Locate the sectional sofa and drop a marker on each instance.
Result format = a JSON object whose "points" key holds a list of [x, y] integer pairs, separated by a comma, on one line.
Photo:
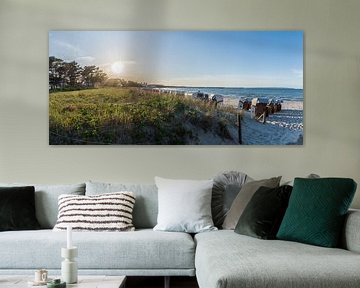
{"points": [[219, 259]]}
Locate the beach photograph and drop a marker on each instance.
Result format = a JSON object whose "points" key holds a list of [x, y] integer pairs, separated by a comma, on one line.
{"points": [[176, 88]]}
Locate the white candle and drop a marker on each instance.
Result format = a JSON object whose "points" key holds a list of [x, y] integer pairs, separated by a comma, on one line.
{"points": [[69, 239]]}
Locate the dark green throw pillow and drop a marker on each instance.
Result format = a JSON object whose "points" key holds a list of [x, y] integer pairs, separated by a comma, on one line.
{"points": [[17, 208], [316, 211], [263, 214]]}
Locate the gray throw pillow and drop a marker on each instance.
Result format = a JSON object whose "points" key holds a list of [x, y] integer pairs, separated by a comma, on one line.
{"points": [[184, 205], [226, 187], [243, 198], [310, 176]]}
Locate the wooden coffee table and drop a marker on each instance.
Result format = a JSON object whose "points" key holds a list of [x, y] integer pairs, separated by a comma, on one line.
{"points": [[84, 281]]}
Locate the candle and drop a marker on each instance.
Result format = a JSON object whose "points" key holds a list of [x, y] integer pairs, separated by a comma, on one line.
{"points": [[69, 239]]}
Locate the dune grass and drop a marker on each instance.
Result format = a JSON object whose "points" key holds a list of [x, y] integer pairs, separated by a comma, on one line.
{"points": [[131, 116]]}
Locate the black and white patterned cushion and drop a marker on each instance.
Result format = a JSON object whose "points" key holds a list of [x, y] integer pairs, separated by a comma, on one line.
{"points": [[105, 212]]}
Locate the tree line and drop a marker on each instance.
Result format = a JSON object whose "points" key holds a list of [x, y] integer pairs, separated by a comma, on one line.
{"points": [[71, 76]]}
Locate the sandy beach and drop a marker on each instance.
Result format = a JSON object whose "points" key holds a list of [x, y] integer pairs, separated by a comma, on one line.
{"points": [[281, 128]]}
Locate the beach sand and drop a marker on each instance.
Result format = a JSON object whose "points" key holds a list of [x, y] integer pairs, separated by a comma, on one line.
{"points": [[293, 105], [281, 128]]}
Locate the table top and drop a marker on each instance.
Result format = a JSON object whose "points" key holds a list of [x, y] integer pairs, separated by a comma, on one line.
{"points": [[84, 281]]}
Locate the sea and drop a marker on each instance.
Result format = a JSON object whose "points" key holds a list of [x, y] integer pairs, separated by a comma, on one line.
{"points": [[288, 94]]}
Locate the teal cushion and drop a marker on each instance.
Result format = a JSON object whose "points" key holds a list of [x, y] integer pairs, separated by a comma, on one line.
{"points": [[316, 211]]}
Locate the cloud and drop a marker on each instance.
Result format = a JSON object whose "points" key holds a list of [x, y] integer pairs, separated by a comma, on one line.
{"points": [[129, 62], [64, 50], [204, 80], [67, 48], [236, 80], [84, 60], [298, 72]]}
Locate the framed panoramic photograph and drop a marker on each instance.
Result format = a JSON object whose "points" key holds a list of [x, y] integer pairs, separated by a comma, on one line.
{"points": [[176, 88]]}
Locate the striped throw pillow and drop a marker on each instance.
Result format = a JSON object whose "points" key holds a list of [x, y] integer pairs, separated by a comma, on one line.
{"points": [[105, 212]]}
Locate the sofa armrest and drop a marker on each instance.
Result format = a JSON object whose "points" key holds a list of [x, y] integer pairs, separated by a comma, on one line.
{"points": [[351, 233]]}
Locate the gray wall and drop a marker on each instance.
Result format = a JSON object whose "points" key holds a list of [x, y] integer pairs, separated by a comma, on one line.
{"points": [[331, 89]]}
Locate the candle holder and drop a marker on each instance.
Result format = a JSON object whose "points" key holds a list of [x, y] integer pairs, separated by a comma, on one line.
{"points": [[68, 265]]}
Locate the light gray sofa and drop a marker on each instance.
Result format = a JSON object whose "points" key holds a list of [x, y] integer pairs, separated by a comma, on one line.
{"points": [[142, 252], [226, 259], [219, 259]]}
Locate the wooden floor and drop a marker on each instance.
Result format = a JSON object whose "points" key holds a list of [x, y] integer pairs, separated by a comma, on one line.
{"points": [[158, 282]]}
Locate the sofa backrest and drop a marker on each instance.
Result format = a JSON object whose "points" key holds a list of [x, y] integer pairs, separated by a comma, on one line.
{"points": [[146, 203], [351, 237], [46, 200]]}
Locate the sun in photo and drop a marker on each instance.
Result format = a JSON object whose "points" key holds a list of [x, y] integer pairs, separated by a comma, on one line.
{"points": [[118, 67]]}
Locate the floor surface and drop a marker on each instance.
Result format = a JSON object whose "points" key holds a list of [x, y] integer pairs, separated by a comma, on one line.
{"points": [[158, 282]]}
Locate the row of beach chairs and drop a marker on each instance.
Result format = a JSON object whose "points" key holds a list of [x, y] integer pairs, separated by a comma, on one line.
{"points": [[260, 106]]}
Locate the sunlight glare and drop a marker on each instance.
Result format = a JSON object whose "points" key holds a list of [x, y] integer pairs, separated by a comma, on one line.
{"points": [[117, 67]]}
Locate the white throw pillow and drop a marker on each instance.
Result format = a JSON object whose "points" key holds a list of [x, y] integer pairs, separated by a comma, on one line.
{"points": [[105, 212], [184, 205]]}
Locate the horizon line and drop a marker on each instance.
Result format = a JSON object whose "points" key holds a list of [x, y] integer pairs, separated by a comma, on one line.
{"points": [[223, 87]]}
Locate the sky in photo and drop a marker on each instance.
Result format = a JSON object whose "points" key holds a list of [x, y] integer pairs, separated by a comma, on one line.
{"points": [[188, 58]]}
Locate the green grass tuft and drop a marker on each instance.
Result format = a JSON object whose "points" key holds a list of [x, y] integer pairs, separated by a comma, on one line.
{"points": [[132, 116]]}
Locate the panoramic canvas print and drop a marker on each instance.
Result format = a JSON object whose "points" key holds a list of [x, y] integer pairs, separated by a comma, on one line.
{"points": [[176, 88]]}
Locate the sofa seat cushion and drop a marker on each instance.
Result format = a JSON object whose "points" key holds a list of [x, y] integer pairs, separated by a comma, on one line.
{"points": [[142, 249], [226, 259]]}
